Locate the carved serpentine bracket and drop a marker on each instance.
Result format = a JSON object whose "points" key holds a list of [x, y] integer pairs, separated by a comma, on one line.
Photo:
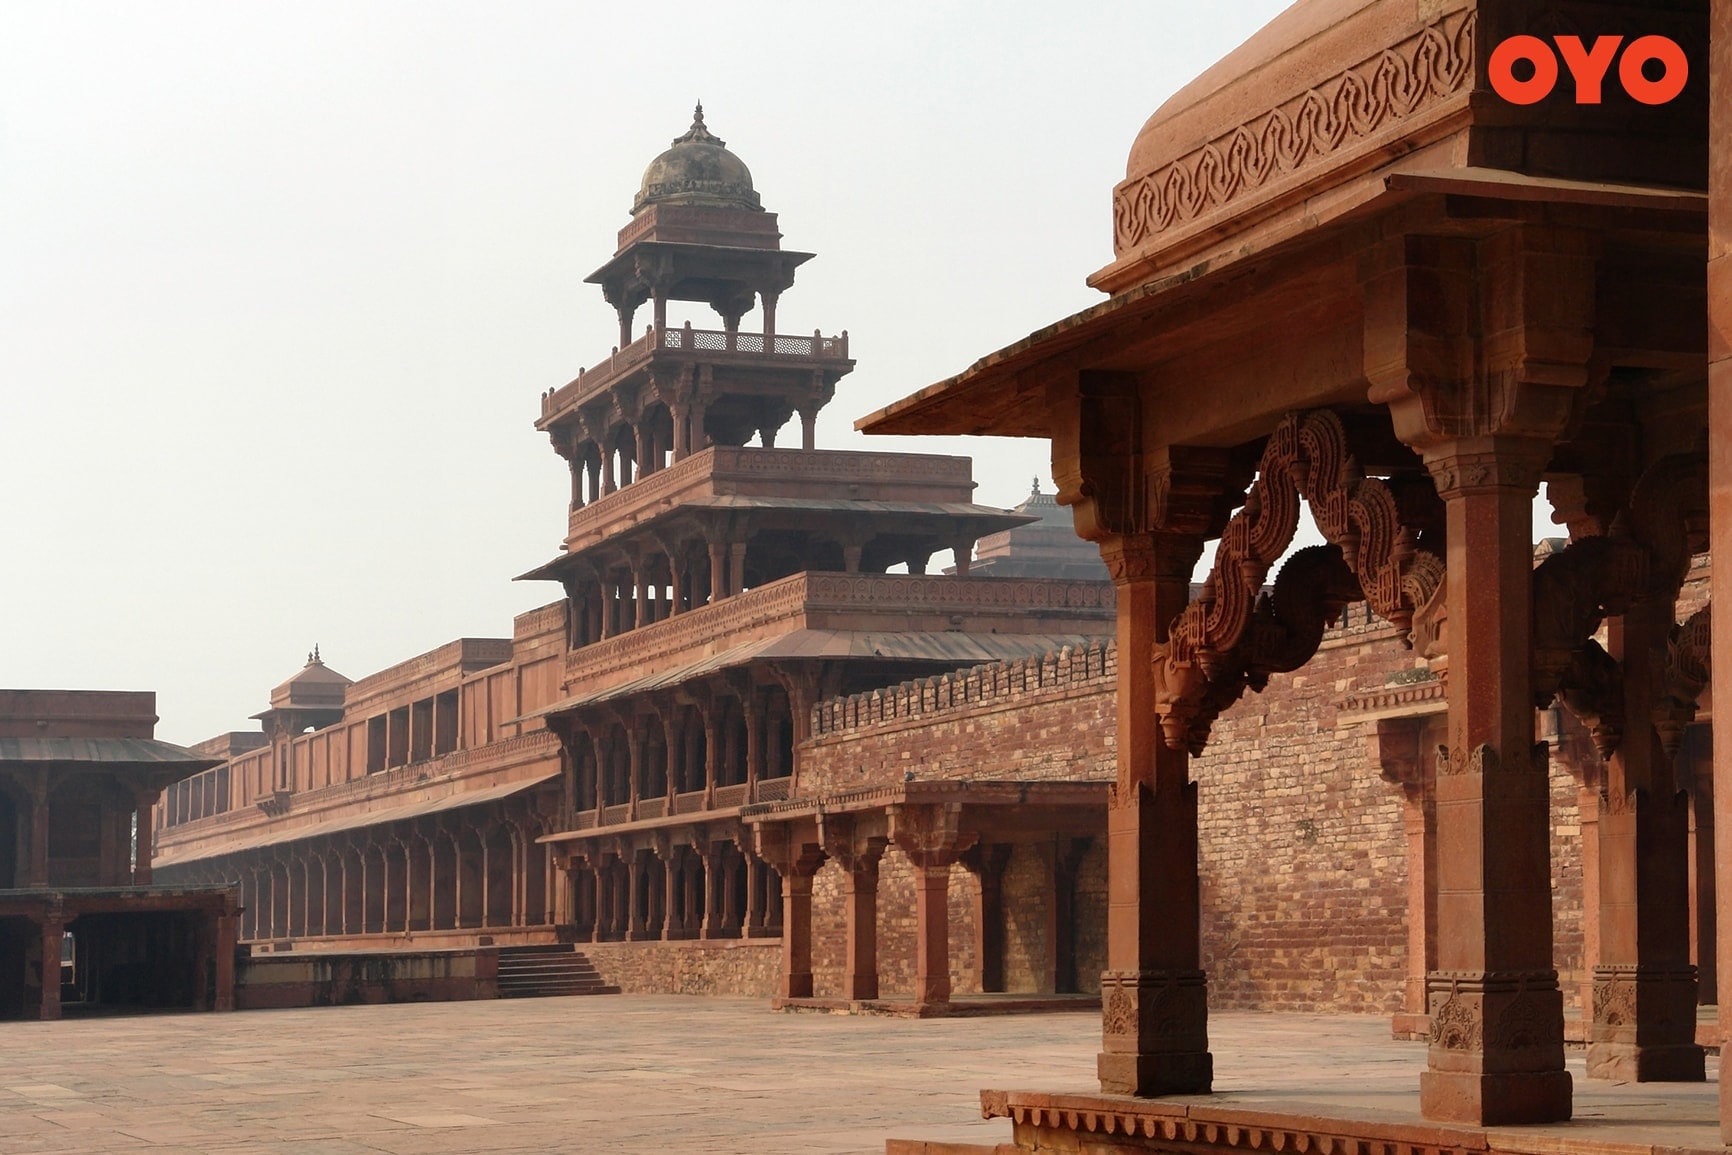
{"points": [[1645, 557], [1235, 635], [1686, 673]]}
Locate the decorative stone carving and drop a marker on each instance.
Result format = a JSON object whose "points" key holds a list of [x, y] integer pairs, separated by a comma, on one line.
{"points": [[1688, 667], [1644, 557], [1167, 1005], [1236, 634], [1325, 119]]}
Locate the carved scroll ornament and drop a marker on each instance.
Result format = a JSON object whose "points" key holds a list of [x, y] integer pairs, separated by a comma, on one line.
{"points": [[1644, 558], [1333, 117], [1235, 634]]}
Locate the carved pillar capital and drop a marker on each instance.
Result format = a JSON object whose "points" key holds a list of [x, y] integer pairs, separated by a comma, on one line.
{"points": [[1395, 745], [931, 835], [1483, 464]]}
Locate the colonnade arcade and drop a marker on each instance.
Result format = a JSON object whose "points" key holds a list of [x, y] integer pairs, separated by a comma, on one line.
{"points": [[709, 745], [698, 558], [936, 826], [700, 881], [465, 869], [611, 442]]}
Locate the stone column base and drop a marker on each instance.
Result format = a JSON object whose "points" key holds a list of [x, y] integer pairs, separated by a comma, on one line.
{"points": [[1187, 1073], [1647, 1063], [1155, 1033], [1491, 1100], [1644, 1025]]}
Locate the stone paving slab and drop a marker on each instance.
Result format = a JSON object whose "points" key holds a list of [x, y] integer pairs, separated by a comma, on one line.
{"points": [[632, 1074]]}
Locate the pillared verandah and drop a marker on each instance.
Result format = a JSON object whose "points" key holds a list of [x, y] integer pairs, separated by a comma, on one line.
{"points": [[1350, 278]]}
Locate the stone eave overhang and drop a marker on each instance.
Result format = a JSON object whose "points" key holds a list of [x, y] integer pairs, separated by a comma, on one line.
{"points": [[889, 520], [721, 816], [1005, 393], [968, 792], [625, 265], [478, 770]]}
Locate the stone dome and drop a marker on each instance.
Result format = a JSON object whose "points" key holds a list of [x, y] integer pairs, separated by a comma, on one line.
{"points": [[698, 170]]}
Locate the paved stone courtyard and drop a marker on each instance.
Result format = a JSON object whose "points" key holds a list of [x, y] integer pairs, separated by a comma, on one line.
{"points": [[632, 1074]]}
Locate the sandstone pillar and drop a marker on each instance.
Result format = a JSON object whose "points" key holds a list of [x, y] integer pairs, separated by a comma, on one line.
{"points": [[1154, 1003], [1496, 1053], [795, 861], [1702, 888], [227, 936], [736, 567], [147, 800], [53, 933], [718, 571], [988, 863], [1399, 752], [635, 920], [1644, 1009], [1590, 774], [1720, 472], [858, 852], [673, 925], [598, 882], [37, 874], [933, 840], [712, 860]]}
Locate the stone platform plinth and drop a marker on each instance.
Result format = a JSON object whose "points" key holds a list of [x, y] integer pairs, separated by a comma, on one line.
{"points": [[1612, 1119], [964, 1006]]}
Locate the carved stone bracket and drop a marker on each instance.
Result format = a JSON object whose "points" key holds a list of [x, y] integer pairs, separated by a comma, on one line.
{"points": [[931, 836], [1644, 558], [1235, 634], [1689, 665]]}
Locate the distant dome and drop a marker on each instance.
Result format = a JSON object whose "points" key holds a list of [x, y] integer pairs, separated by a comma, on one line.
{"points": [[698, 170]]}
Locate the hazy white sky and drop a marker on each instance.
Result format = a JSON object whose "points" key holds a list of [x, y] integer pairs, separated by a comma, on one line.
{"points": [[280, 285]]}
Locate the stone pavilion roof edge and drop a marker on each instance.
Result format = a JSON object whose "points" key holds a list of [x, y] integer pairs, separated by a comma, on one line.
{"points": [[279, 832], [109, 753], [944, 406], [599, 276]]}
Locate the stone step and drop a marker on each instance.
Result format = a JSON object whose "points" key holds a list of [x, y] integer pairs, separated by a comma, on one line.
{"points": [[546, 971]]}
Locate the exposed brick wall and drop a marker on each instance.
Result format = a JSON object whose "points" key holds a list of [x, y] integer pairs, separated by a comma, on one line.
{"points": [[1040, 719], [748, 968], [1303, 851]]}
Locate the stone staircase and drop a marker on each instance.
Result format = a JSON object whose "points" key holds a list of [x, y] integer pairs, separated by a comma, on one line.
{"points": [[536, 972]]}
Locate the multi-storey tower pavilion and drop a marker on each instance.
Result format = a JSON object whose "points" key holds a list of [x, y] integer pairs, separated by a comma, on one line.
{"points": [[717, 585]]}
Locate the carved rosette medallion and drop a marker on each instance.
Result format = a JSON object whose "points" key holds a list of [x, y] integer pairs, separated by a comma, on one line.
{"points": [[1455, 1025], [1508, 1013]]}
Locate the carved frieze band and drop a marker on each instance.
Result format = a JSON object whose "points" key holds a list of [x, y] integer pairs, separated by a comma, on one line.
{"points": [[1166, 1009], [1167, 1122], [1320, 122], [1234, 635], [1503, 1012]]}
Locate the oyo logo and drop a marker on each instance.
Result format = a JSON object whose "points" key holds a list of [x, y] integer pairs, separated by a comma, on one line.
{"points": [[1588, 67]]}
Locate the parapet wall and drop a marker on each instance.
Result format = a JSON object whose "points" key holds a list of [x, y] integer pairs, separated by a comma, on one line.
{"points": [[1038, 719]]}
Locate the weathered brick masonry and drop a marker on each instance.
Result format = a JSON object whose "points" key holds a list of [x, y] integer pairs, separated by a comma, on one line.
{"points": [[1304, 857]]}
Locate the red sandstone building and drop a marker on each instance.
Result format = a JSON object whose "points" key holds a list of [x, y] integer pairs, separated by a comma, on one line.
{"points": [[79, 774], [1409, 303], [627, 768]]}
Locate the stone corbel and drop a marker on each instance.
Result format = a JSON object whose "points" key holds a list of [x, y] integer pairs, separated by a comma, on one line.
{"points": [[931, 835], [852, 842]]}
